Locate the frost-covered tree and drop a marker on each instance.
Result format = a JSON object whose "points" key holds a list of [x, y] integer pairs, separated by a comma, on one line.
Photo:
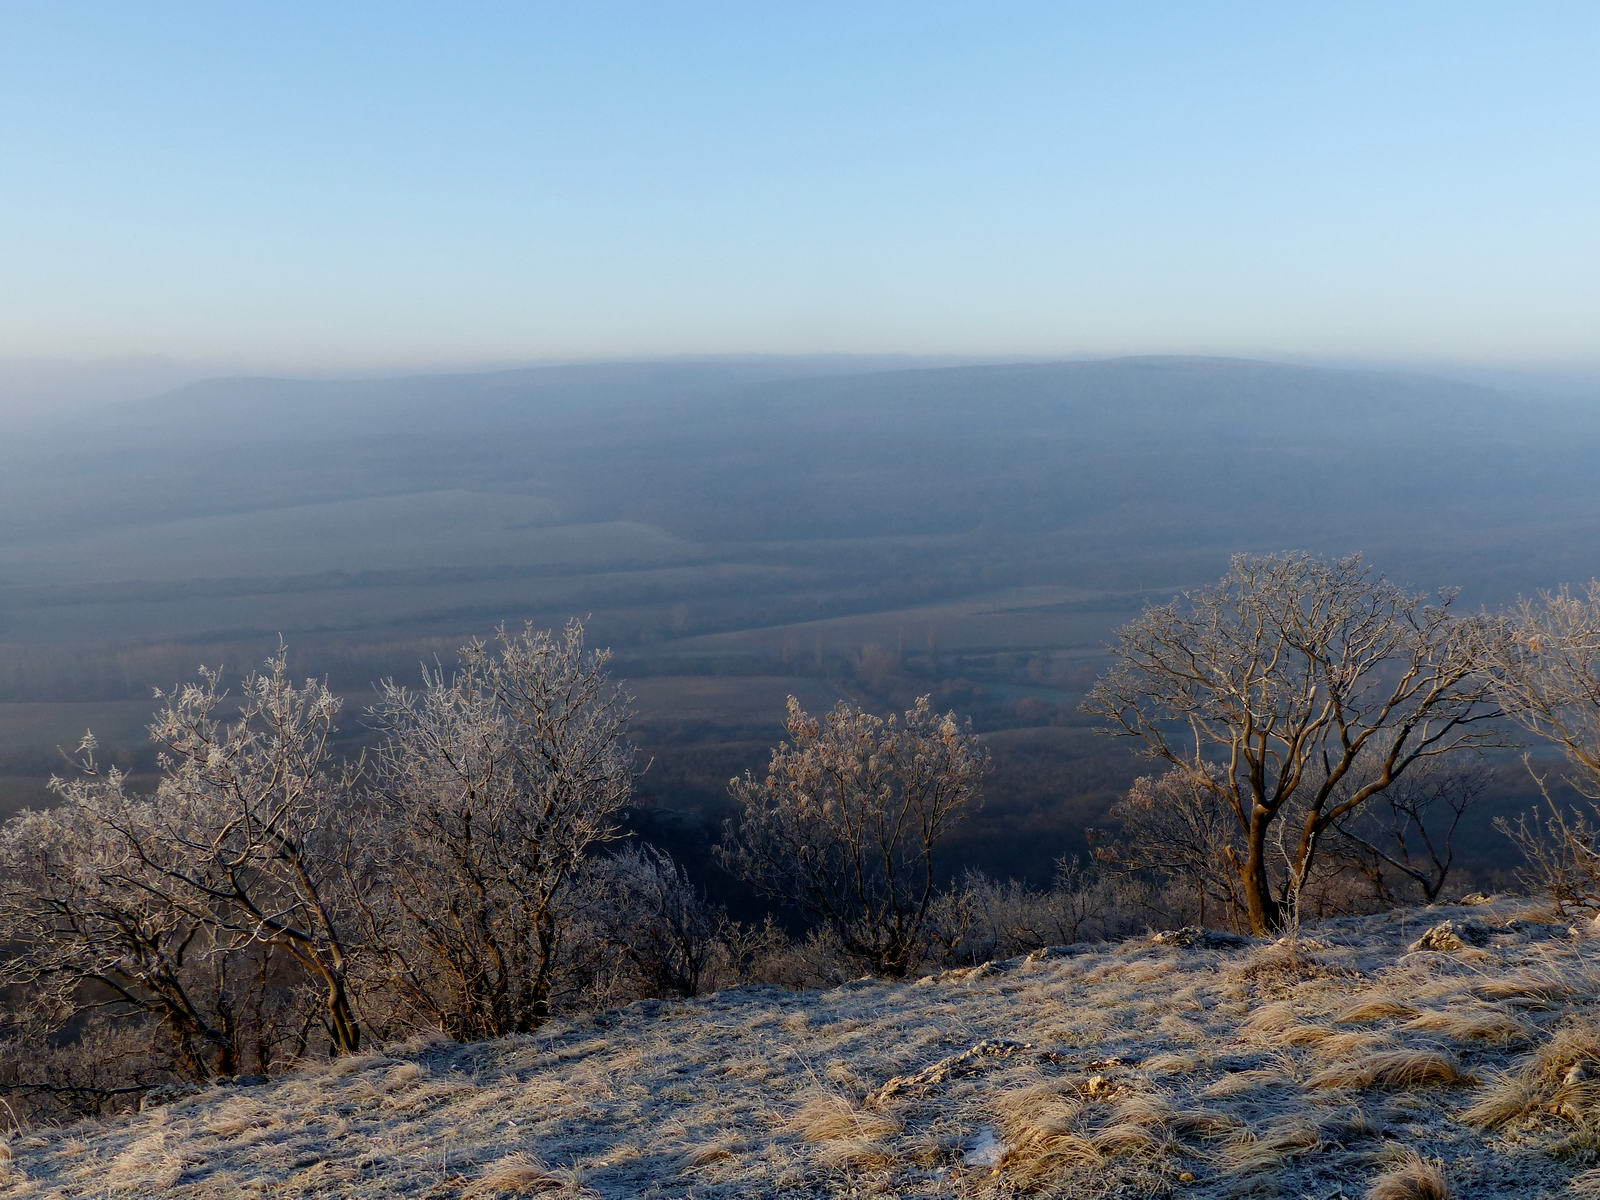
{"points": [[493, 783], [649, 912], [245, 827], [847, 821], [83, 930], [1170, 826], [249, 826], [1294, 691], [1546, 670], [211, 905]]}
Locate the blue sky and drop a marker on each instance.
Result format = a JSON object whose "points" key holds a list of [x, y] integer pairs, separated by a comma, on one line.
{"points": [[376, 184]]}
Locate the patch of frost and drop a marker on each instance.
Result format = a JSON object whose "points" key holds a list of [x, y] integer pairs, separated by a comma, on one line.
{"points": [[985, 1151]]}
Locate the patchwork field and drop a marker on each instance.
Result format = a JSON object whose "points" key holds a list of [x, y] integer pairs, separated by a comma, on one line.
{"points": [[439, 530]]}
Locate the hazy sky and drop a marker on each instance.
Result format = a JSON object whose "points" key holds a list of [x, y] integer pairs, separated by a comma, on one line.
{"points": [[360, 184]]}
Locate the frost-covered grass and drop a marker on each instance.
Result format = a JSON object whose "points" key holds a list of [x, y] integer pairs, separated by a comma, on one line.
{"points": [[1343, 1065]]}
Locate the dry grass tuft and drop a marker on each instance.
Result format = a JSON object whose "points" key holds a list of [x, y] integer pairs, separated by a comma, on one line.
{"points": [[231, 1125], [696, 1157], [1171, 1064], [1284, 964], [930, 1150], [1271, 1018], [1506, 1096], [1352, 1043], [1274, 1146], [1562, 1076], [1022, 1105], [1127, 1138], [1394, 1070], [856, 1152], [1149, 1109], [830, 1117], [1412, 1178], [1574, 1044], [1375, 1008], [1238, 1082], [1043, 1135], [518, 1174], [1207, 1125], [1482, 1023], [1527, 990], [1279, 1024], [402, 1076], [1044, 1158], [1037, 1128]]}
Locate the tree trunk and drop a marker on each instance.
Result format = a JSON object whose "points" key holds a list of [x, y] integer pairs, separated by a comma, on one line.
{"points": [[1261, 906]]}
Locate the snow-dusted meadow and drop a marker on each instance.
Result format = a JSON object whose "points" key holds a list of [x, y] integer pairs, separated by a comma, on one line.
{"points": [[1343, 1063]]}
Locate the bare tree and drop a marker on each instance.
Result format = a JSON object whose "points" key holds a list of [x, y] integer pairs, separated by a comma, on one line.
{"points": [[982, 919], [1546, 670], [248, 826], [1171, 826], [1297, 687], [654, 916], [245, 832], [1408, 831], [496, 780], [84, 934], [848, 818], [209, 906]]}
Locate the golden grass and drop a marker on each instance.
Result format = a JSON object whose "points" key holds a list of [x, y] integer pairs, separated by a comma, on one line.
{"points": [[1149, 1109], [1205, 1124], [1572, 1044], [1525, 989], [856, 1152], [1043, 1133], [1412, 1178], [402, 1076], [1394, 1070], [1171, 1064], [1561, 1076], [1478, 1023], [1237, 1082], [1127, 1138], [1352, 1043], [1022, 1105], [1271, 1019], [1044, 1159], [830, 1117], [696, 1157], [1272, 1147], [1375, 1008], [1267, 1086], [517, 1174], [1506, 1095]]}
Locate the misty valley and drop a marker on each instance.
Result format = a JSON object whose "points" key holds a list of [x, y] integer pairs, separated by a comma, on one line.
{"points": [[739, 531]]}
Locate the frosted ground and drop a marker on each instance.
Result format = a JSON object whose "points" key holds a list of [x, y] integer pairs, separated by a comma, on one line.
{"points": [[1344, 1065]]}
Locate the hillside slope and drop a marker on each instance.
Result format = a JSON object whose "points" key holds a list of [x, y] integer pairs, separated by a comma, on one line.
{"points": [[1158, 1066]]}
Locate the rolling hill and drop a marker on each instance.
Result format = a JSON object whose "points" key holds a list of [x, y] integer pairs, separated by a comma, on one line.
{"points": [[739, 528]]}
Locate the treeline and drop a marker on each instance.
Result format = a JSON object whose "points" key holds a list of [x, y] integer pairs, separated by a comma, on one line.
{"points": [[1317, 732]]}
